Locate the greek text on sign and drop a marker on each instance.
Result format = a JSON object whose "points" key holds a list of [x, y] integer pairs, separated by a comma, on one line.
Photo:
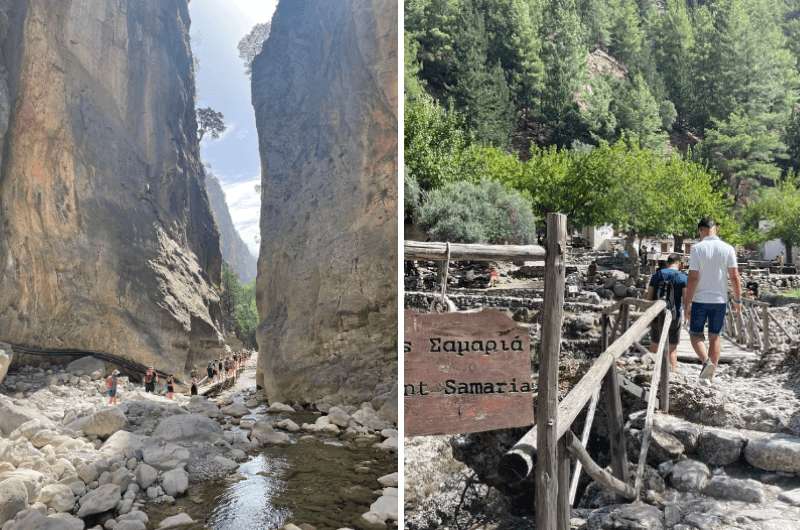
{"points": [[466, 372]]}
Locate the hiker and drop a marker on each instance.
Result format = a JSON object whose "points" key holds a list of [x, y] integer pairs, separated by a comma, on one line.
{"points": [[170, 386], [193, 390], [668, 284], [493, 276], [111, 387], [221, 369], [712, 263], [150, 380], [210, 371]]}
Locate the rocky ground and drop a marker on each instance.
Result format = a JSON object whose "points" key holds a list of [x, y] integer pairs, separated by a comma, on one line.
{"points": [[70, 461], [728, 455]]}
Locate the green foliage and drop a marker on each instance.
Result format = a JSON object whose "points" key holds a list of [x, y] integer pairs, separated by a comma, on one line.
{"points": [[639, 114], [434, 141], [482, 212], [412, 198], [780, 206], [238, 303]]}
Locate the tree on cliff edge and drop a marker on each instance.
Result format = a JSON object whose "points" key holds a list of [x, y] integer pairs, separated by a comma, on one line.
{"points": [[210, 121]]}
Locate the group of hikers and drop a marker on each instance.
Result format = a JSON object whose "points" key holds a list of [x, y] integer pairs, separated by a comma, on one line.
{"points": [[702, 294], [218, 370]]}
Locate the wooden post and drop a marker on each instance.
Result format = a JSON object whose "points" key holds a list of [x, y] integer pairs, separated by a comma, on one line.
{"points": [[546, 475], [587, 429], [564, 504], [664, 381], [765, 328], [616, 432]]}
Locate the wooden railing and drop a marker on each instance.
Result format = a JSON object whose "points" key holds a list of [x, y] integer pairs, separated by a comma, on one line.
{"points": [[618, 336], [754, 327]]}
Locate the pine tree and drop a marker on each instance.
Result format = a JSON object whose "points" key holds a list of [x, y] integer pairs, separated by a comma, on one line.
{"points": [[564, 56], [596, 18], [674, 45], [627, 36], [638, 114], [481, 92]]}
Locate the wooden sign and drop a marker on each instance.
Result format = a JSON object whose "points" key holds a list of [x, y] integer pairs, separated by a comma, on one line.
{"points": [[466, 372]]}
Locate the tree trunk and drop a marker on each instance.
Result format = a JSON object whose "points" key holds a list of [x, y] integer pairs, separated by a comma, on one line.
{"points": [[678, 246], [789, 258], [633, 258]]}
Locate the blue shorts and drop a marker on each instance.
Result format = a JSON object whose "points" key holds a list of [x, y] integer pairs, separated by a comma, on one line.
{"points": [[714, 314]]}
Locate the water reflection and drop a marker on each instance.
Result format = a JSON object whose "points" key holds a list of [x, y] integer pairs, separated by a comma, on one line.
{"points": [[249, 503]]}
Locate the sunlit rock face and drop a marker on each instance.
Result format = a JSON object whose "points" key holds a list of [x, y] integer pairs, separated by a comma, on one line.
{"points": [[325, 96], [107, 241]]}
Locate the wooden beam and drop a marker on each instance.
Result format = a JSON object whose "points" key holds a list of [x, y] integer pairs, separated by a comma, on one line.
{"points": [[598, 474], [587, 429], [517, 463], [651, 403], [563, 502], [547, 468], [765, 340], [616, 424], [434, 251]]}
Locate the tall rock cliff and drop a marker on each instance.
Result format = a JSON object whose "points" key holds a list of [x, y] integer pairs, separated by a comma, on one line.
{"points": [[234, 249], [325, 95], [107, 241]]}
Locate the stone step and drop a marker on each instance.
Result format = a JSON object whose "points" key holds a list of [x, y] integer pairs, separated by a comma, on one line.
{"points": [[717, 446]]}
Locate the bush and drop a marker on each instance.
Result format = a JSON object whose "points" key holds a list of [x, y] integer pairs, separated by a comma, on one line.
{"points": [[412, 197], [483, 212]]}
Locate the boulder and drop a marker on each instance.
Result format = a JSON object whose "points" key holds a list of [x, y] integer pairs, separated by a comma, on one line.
{"points": [[776, 452], [6, 356], [175, 482], [287, 425], [123, 443], [86, 365], [338, 417], [626, 516], [59, 497], [237, 410], [130, 524], [367, 417], [689, 475], [12, 415], [99, 500], [146, 475], [176, 521], [264, 434], [102, 423], [389, 480], [280, 407], [165, 456], [13, 498], [733, 489], [386, 505], [36, 520], [32, 480], [187, 427], [201, 405], [719, 447]]}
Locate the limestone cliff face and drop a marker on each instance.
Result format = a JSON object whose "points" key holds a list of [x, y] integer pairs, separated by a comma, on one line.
{"points": [[325, 96], [234, 249], [107, 241]]}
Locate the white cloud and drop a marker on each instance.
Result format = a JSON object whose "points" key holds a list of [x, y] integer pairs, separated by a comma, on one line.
{"points": [[244, 203]]}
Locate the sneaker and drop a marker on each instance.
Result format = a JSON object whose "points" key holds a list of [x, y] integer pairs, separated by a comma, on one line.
{"points": [[708, 370]]}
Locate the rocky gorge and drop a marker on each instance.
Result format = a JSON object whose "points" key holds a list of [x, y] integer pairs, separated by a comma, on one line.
{"points": [[70, 461]]}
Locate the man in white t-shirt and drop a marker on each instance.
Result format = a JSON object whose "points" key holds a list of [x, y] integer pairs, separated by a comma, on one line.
{"points": [[712, 263]]}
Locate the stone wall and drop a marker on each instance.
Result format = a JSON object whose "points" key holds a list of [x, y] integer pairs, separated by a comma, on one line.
{"points": [[107, 240], [325, 97]]}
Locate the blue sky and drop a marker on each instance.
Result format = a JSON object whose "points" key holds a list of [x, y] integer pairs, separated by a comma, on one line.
{"points": [[217, 27]]}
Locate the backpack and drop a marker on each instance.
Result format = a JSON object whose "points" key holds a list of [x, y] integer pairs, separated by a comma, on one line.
{"points": [[666, 291]]}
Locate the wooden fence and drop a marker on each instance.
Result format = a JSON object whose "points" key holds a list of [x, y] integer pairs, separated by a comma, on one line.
{"points": [[754, 327]]}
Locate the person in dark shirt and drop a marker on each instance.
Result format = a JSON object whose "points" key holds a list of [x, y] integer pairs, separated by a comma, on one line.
{"points": [[668, 284]]}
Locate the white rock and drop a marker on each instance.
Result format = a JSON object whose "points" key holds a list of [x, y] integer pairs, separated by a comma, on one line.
{"points": [[58, 497], [226, 463], [146, 475], [6, 356], [102, 423], [130, 524], [187, 427], [85, 366], [264, 434], [389, 480], [123, 443], [287, 425], [164, 457], [175, 482], [367, 417], [100, 500], [201, 405], [32, 479], [13, 498], [386, 505], [176, 521], [373, 520], [236, 409], [280, 407], [12, 415], [338, 416], [36, 520]]}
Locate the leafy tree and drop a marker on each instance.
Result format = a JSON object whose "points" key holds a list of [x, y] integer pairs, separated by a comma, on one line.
{"points": [[412, 198], [434, 24], [210, 121], [481, 93], [564, 57], [434, 140], [482, 212], [238, 303], [412, 85], [780, 207], [251, 44]]}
